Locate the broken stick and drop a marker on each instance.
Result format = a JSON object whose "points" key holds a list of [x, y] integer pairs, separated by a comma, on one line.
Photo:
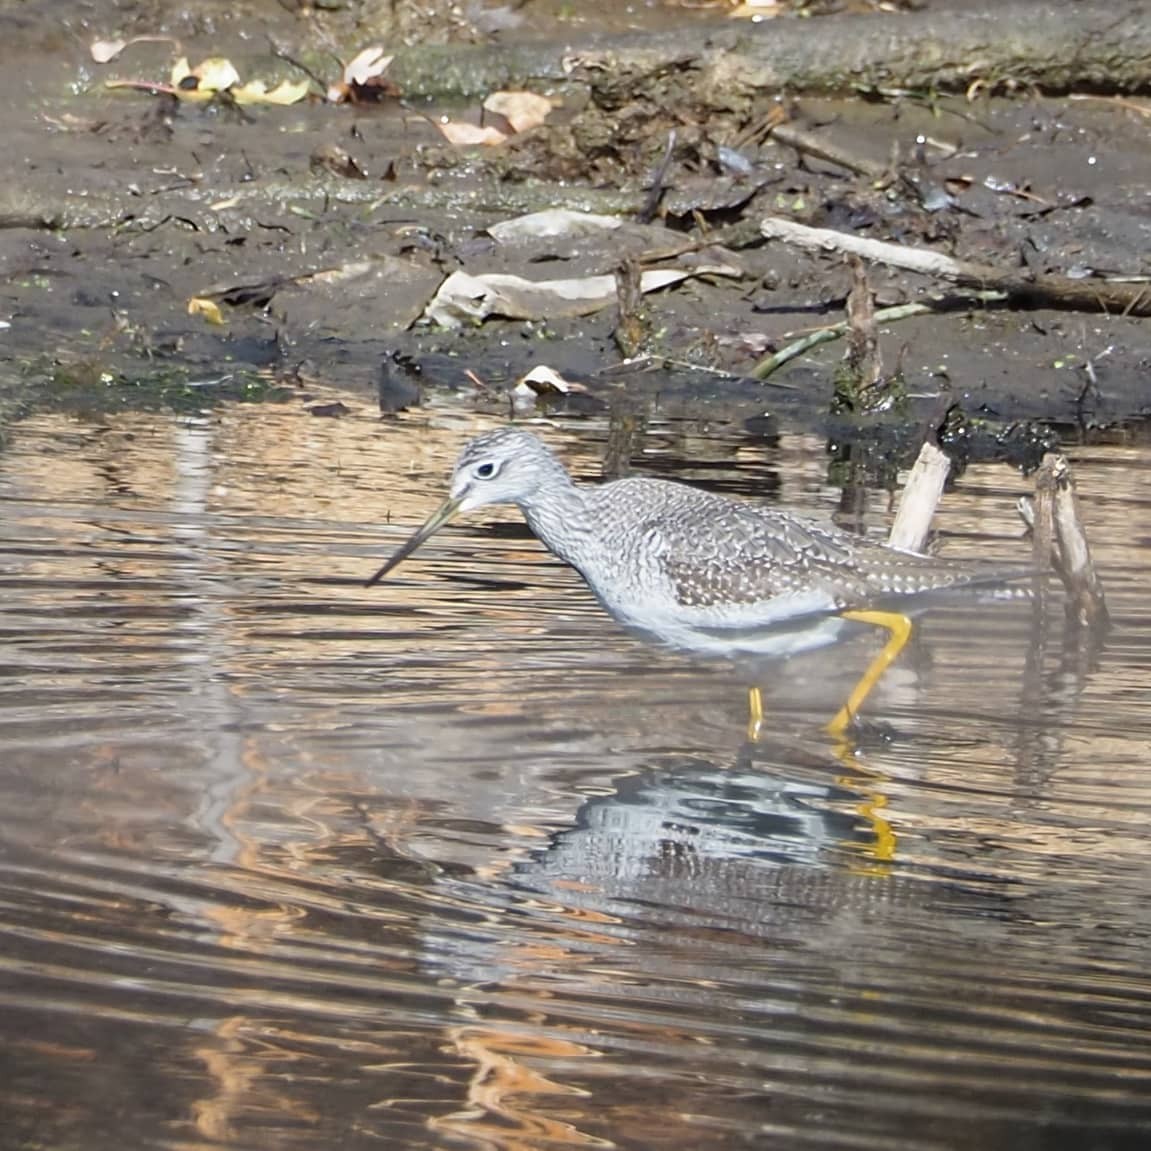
{"points": [[1060, 541], [919, 499], [1023, 289]]}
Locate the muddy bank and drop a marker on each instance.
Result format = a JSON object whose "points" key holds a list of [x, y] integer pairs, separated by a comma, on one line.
{"points": [[319, 233]]}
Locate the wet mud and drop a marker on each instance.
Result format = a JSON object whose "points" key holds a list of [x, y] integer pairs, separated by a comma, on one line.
{"points": [[319, 233]]}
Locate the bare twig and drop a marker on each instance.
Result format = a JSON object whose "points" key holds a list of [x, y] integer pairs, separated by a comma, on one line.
{"points": [[647, 361], [821, 149], [864, 359], [658, 182], [810, 340], [1022, 288]]}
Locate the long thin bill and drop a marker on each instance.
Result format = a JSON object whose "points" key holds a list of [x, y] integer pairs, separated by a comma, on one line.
{"points": [[446, 512]]}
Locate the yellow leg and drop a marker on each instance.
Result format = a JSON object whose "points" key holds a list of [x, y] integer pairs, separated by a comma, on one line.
{"points": [[755, 713], [899, 632]]}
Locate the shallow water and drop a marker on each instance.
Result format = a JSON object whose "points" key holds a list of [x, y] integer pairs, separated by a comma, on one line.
{"points": [[454, 862]]}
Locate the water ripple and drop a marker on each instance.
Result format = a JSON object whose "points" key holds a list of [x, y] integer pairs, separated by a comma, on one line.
{"points": [[455, 863]]}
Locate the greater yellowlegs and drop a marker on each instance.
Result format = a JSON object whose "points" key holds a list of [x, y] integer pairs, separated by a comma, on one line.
{"points": [[694, 569]]}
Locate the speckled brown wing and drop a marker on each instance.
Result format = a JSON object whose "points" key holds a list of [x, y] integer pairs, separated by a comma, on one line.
{"points": [[734, 554]]}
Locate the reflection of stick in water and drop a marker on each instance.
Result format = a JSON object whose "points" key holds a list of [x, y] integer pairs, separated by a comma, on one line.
{"points": [[507, 1097]]}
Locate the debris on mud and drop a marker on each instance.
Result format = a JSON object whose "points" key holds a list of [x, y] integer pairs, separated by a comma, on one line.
{"points": [[351, 214]]}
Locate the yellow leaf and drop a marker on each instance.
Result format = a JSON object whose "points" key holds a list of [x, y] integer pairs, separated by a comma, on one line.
{"points": [[253, 92], [187, 83], [256, 92], [209, 309], [217, 74], [181, 70], [287, 92]]}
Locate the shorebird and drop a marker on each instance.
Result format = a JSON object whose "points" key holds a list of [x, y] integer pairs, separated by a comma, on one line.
{"points": [[697, 570]]}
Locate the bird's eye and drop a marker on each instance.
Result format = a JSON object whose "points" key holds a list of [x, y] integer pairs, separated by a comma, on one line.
{"points": [[485, 471]]}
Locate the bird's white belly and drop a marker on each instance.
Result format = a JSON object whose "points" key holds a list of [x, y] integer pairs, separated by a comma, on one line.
{"points": [[776, 628]]}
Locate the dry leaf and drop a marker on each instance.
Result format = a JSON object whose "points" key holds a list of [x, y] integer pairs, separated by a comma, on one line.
{"points": [[285, 93], [522, 110], [464, 134], [253, 92], [104, 51], [363, 78], [353, 270], [367, 65], [332, 158], [209, 309], [551, 222], [216, 74], [465, 298], [757, 10], [542, 380]]}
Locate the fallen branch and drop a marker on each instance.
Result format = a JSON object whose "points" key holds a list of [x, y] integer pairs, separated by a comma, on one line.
{"points": [[114, 207], [1098, 45], [1022, 289]]}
